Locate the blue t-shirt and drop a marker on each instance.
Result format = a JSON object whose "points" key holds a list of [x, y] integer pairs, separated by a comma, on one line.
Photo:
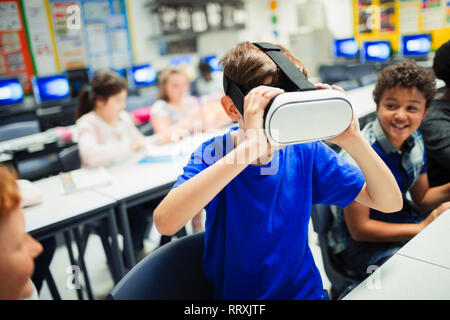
{"points": [[256, 237]]}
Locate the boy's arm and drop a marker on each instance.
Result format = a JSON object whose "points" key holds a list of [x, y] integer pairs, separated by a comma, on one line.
{"points": [[185, 201], [380, 191], [426, 197], [362, 228]]}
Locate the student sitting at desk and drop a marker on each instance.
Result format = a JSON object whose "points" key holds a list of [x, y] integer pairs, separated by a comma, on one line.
{"points": [[435, 128], [258, 197], [107, 135], [175, 114], [17, 248], [360, 236]]}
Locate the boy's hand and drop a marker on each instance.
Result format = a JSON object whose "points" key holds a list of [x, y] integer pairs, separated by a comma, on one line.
{"points": [[255, 102], [347, 137], [435, 213]]}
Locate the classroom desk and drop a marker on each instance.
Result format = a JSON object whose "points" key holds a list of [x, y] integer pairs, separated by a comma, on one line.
{"points": [[134, 183], [62, 213], [419, 270], [432, 244]]}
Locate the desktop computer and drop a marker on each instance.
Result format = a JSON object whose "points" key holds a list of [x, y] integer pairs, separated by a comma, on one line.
{"points": [[54, 106]]}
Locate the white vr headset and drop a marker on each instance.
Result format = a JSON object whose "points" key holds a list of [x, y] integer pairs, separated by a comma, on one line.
{"points": [[302, 113]]}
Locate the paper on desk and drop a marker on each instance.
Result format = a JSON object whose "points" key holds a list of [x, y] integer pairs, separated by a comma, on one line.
{"points": [[83, 179]]}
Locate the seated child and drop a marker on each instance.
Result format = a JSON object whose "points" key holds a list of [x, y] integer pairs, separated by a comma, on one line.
{"points": [[361, 236], [258, 197], [17, 248]]}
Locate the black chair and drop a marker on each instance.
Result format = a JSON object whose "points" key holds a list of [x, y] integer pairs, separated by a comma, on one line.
{"points": [[341, 282], [356, 72], [30, 168], [69, 158], [172, 272], [364, 120]]}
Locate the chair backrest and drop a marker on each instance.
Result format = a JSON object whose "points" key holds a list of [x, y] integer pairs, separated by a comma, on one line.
{"points": [[69, 158], [321, 217], [172, 272], [18, 129]]}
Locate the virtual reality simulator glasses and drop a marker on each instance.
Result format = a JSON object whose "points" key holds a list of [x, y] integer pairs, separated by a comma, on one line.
{"points": [[303, 113]]}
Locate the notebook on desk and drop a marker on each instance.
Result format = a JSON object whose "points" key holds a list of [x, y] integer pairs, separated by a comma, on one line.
{"points": [[83, 179]]}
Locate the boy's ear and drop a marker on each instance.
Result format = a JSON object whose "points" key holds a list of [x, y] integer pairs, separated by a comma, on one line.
{"points": [[229, 108]]}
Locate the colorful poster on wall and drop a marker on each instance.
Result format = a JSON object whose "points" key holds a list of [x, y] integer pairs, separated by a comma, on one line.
{"points": [[69, 33], [409, 16], [36, 20], [15, 59], [106, 30], [447, 13], [432, 14], [387, 19]]}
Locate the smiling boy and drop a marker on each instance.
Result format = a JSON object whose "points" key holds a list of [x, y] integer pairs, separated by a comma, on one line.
{"points": [[361, 237]]}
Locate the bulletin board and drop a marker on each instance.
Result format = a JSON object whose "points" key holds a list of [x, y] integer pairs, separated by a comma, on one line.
{"points": [[15, 58], [107, 35], [390, 19], [69, 33], [41, 37]]}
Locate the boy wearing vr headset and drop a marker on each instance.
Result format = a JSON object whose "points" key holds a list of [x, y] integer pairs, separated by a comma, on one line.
{"points": [[360, 236], [256, 244]]}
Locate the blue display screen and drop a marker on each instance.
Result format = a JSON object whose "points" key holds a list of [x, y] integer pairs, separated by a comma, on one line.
{"points": [[11, 92], [213, 62], [142, 75], [375, 51], [416, 45], [180, 60], [345, 48], [51, 88]]}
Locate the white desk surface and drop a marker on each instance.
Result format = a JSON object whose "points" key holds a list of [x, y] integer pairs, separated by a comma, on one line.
{"points": [[131, 177], [57, 207], [432, 244], [404, 278]]}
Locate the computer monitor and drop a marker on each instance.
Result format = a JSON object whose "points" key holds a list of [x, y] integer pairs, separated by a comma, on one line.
{"points": [[180, 60], [345, 48], [50, 88], [141, 76], [11, 92], [375, 51], [415, 45], [77, 78], [213, 62]]}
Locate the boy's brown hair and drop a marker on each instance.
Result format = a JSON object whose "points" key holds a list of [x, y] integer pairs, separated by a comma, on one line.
{"points": [[249, 67], [9, 192], [406, 74]]}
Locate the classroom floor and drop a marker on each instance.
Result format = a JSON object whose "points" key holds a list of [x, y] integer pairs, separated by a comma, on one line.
{"points": [[100, 277]]}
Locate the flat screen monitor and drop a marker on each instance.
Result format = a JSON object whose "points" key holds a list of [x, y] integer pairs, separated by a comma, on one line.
{"points": [[11, 91], [415, 45], [213, 62], [345, 48], [375, 51], [78, 78], [50, 88], [141, 76], [180, 60]]}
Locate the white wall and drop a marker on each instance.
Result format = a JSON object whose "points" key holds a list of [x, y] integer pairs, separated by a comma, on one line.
{"points": [[337, 22]]}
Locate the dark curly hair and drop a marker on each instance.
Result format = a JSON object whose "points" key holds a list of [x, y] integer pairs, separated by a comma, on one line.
{"points": [[406, 74], [441, 63]]}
